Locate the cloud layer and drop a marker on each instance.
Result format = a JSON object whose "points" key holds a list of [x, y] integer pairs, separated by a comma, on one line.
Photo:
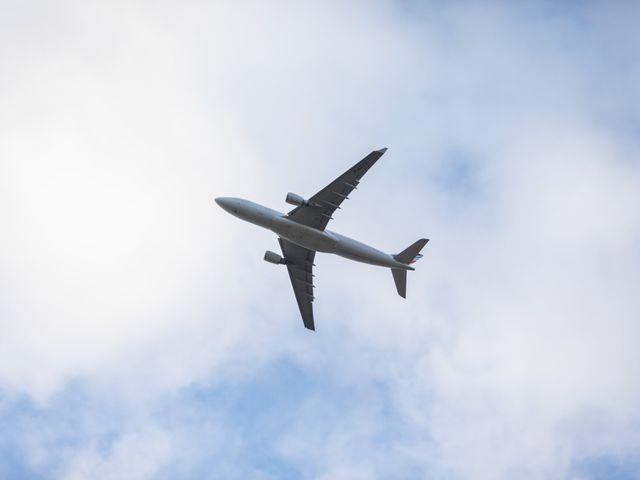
{"points": [[142, 335]]}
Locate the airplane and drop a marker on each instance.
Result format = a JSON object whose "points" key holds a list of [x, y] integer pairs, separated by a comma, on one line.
{"points": [[302, 233]]}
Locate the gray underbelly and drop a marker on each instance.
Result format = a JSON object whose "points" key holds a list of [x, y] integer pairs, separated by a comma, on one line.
{"points": [[304, 236], [360, 252]]}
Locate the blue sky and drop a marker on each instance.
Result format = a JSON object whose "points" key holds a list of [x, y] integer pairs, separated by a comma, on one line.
{"points": [[144, 337]]}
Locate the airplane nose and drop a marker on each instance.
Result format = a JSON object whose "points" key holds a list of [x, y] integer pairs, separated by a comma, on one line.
{"points": [[227, 204], [223, 202]]}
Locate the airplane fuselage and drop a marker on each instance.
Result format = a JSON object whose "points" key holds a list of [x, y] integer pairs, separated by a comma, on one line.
{"points": [[311, 238]]}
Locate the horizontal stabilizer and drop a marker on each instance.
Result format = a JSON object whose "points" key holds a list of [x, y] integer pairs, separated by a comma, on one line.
{"points": [[412, 254], [400, 277]]}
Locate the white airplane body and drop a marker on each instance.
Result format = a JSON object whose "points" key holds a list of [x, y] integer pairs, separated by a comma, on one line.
{"points": [[302, 233]]}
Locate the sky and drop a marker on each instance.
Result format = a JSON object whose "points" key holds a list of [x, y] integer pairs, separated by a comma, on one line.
{"points": [[143, 337]]}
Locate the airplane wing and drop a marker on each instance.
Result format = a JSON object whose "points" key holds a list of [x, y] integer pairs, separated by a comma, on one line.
{"points": [[322, 205], [300, 266]]}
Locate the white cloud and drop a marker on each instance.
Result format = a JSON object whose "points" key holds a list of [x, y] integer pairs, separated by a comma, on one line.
{"points": [[140, 455], [515, 353]]}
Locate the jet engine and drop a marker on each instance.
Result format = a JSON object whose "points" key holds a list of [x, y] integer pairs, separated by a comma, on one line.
{"points": [[295, 199], [274, 258]]}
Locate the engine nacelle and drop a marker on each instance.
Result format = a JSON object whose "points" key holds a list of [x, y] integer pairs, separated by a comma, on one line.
{"points": [[295, 199], [274, 258]]}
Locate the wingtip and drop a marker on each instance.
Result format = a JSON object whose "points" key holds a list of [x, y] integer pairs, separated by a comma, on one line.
{"points": [[382, 150]]}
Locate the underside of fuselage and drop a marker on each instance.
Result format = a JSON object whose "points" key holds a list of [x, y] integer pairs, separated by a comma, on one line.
{"points": [[311, 238], [331, 242], [307, 237]]}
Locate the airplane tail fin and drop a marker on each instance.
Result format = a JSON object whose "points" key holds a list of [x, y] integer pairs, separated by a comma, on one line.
{"points": [[409, 255]]}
